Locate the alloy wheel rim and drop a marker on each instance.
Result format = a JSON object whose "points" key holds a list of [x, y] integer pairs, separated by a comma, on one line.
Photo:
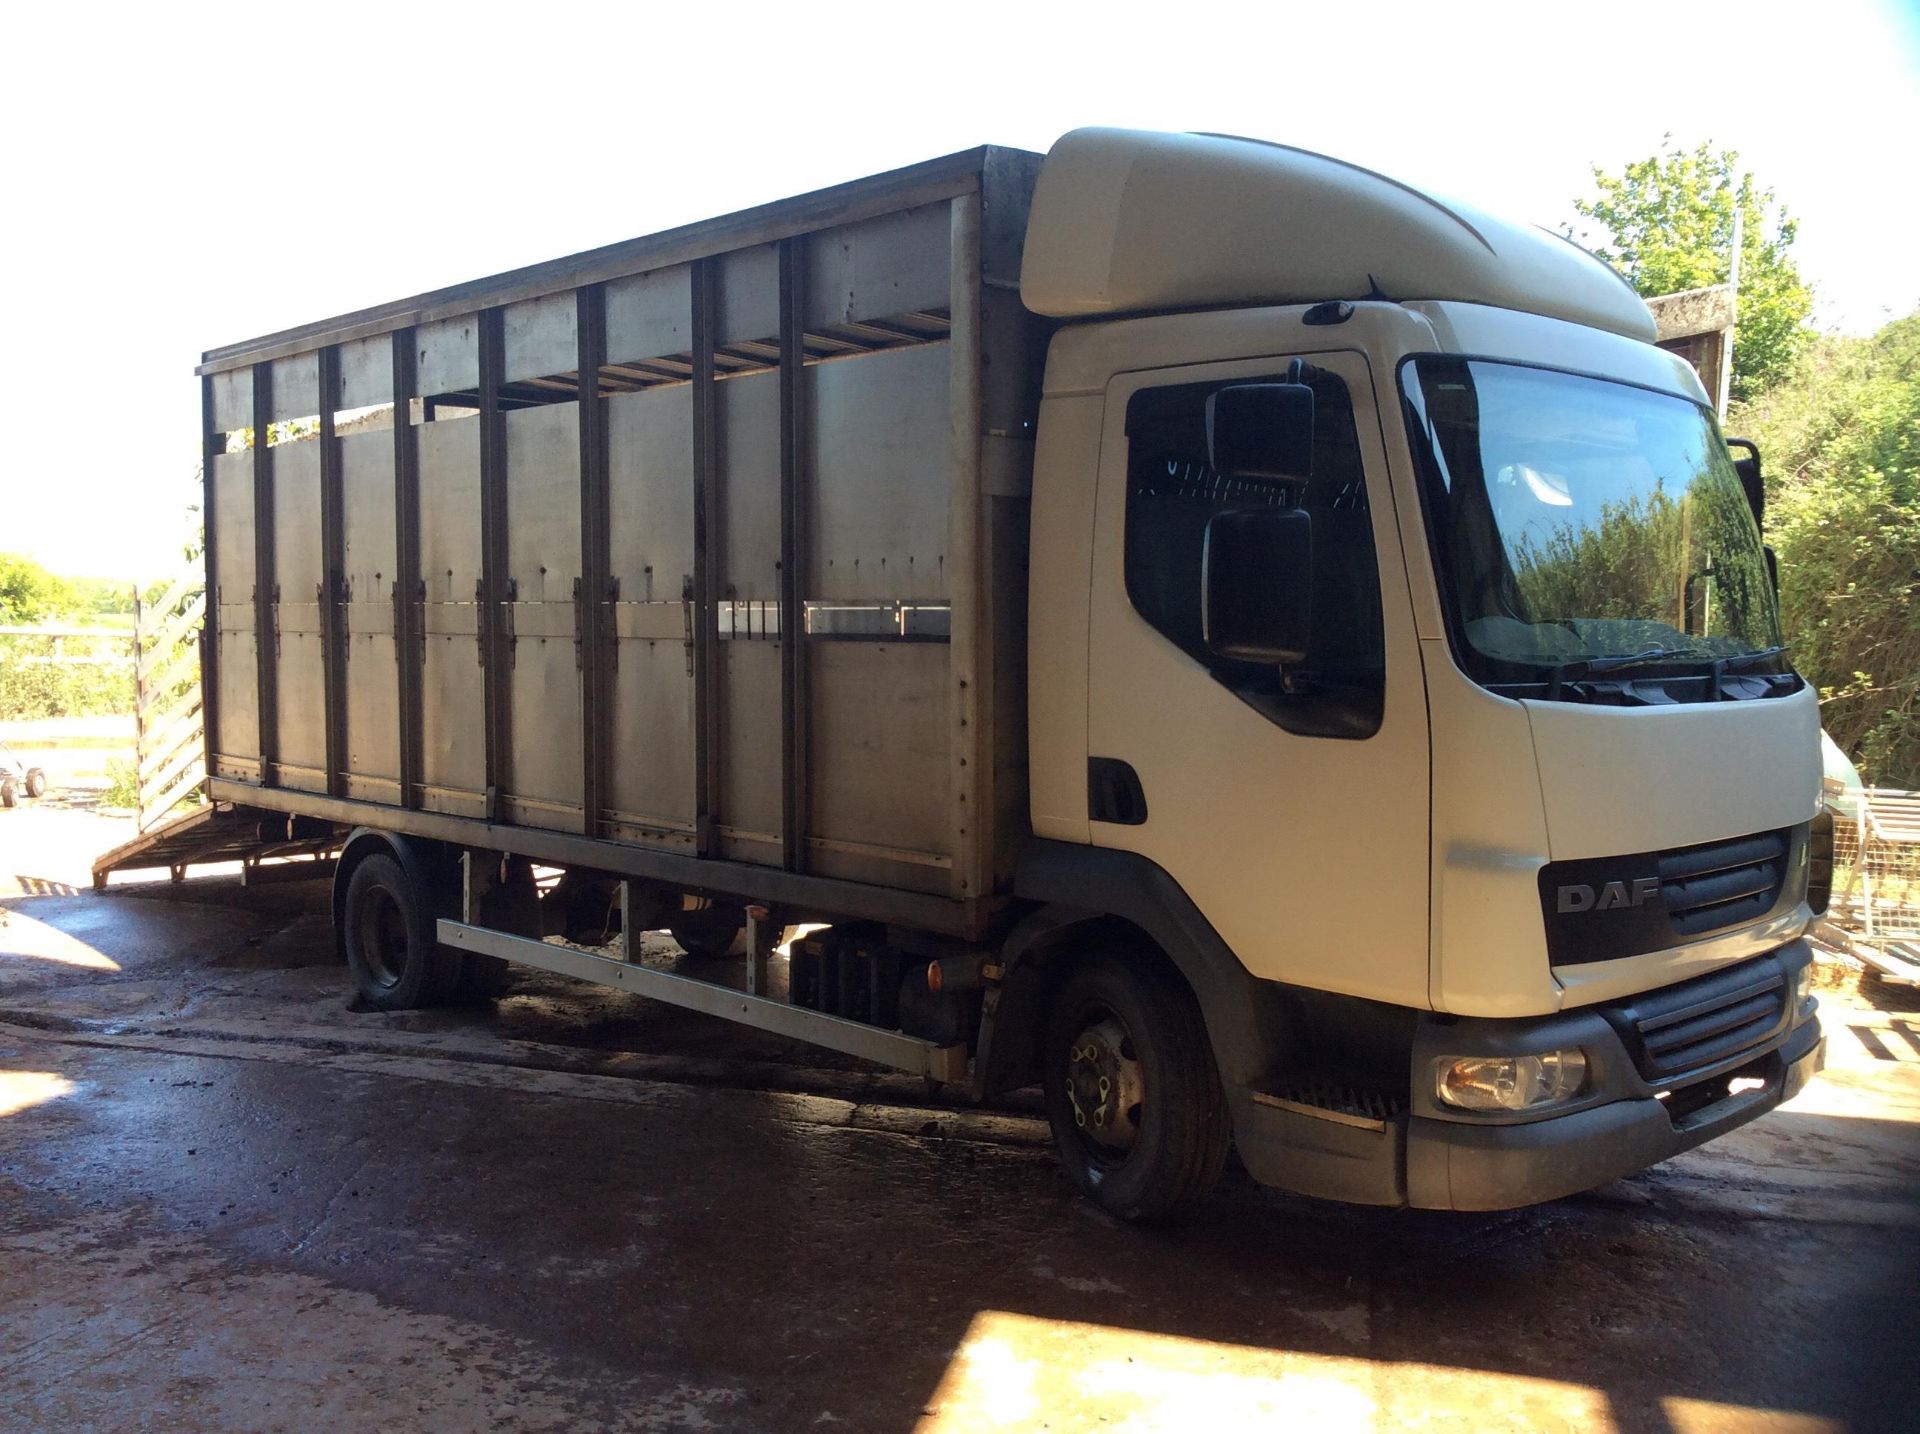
{"points": [[1106, 1087]]}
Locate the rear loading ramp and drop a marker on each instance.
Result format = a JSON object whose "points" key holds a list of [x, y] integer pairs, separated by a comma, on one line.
{"points": [[268, 847]]}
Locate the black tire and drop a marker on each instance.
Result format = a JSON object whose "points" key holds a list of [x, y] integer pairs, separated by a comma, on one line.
{"points": [[713, 932], [397, 963], [1122, 1023], [484, 978], [36, 783], [9, 794]]}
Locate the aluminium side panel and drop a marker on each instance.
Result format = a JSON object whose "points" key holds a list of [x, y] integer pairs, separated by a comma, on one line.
{"points": [[748, 806], [880, 268], [453, 757], [879, 584], [300, 749], [235, 742], [447, 356], [372, 576], [540, 338], [296, 388], [650, 315], [543, 578], [365, 377], [650, 482]]}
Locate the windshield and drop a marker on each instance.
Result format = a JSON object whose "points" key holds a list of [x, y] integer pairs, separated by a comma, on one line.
{"points": [[1577, 520]]}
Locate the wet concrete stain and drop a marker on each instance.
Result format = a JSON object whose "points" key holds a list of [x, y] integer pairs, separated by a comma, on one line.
{"points": [[230, 1203]]}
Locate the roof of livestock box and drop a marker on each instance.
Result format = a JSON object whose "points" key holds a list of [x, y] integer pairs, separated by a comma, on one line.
{"points": [[1004, 177], [1122, 221], [1125, 222]]}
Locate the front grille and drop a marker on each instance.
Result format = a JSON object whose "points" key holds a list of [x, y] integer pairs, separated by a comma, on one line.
{"points": [[1604, 908], [1702, 1023], [1723, 883]]}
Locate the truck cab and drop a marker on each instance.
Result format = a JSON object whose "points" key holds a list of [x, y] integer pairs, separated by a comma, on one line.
{"points": [[1404, 662]]}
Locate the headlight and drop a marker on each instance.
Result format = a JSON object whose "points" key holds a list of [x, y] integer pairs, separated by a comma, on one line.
{"points": [[1511, 1082]]}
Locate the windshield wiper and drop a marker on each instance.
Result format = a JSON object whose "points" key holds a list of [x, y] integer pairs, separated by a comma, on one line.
{"points": [[1746, 659], [1581, 667], [1723, 665]]}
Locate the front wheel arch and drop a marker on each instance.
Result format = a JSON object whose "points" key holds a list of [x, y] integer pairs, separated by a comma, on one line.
{"points": [[1133, 1095]]}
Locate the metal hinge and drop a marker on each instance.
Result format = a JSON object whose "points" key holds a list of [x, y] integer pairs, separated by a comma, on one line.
{"points": [[581, 621], [610, 635]]}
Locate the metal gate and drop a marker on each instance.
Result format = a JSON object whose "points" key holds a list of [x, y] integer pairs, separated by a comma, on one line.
{"points": [[1876, 862], [169, 745]]}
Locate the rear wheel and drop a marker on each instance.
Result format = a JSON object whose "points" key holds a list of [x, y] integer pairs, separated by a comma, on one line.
{"points": [[396, 960], [9, 793], [712, 932], [36, 783], [1138, 1115]]}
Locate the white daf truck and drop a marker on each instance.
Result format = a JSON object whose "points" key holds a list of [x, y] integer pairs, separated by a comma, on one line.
{"points": [[1272, 656]]}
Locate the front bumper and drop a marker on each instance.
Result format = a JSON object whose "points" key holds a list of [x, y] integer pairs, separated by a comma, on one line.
{"points": [[1452, 1165], [1662, 1069]]}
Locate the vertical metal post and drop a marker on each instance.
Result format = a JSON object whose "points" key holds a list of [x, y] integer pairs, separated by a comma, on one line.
{"points": [[496, 680], [706, 562], [595, 555], [1861, 867], [266, 587], [763, 934], [793, 547], [1724, 387], [140, 711], [407, 595], [970, 659], [333, 548], [472, 888], [212, 445]]}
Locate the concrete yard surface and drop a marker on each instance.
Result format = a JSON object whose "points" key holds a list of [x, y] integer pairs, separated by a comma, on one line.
{"points": [[229, 1202]]}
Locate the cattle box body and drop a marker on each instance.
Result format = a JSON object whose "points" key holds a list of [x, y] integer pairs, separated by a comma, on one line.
{"points": [[699, 557]]}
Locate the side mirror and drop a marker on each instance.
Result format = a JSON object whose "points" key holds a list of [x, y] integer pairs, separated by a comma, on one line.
{"points": [[1261, 430], [1751, 480], [1256, 585]]}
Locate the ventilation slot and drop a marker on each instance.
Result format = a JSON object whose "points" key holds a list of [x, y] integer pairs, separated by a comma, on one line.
{"points": [[1350, 1105], [1701, 1024], [1723, 884]]}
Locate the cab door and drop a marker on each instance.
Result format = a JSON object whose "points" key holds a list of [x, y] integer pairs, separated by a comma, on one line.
{"points": [[1290, 802]]}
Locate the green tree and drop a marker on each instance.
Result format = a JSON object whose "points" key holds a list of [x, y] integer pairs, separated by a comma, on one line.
{"points": [[28, 592], [1666, 223], [1841, 437], [95, 598]]}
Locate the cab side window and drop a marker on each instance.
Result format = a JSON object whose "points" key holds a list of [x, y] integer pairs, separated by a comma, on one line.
{"points": [[1172, 494]]}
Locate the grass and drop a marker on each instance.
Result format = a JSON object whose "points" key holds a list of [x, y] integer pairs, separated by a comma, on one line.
{"points": [[123, 786]]}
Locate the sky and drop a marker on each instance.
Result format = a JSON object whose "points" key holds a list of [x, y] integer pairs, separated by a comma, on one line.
{"points": [[183, 176]]}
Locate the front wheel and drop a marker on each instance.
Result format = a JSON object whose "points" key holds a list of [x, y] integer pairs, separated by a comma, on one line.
{"points": [[36, 783], [1138, 1115]]}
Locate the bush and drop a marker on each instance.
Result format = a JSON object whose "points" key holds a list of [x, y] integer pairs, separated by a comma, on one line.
{"points": [[123, 784], [38, 681], [1842, 444]]}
